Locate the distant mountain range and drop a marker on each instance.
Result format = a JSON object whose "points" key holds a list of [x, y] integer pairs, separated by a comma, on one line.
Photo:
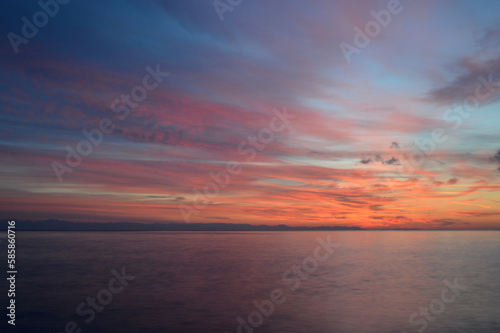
{"points": [[58, 225]]}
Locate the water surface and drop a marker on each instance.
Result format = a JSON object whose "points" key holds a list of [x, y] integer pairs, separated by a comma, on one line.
{"points": [[203, 281]]}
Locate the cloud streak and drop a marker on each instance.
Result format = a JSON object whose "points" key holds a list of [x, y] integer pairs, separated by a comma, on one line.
{"points": [[341, 161]]}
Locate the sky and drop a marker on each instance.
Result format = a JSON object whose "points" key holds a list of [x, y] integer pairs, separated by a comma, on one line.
{"points": [[378, 114]]}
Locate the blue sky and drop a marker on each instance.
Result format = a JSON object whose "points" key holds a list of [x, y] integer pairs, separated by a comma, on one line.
{"points": [[359, 149]]}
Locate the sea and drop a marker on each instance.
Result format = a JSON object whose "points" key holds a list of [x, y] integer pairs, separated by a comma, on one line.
{"points": [[293, 281]]}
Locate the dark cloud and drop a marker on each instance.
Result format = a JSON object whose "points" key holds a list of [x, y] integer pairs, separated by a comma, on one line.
{"points": [[349, 199], [379, 158], [392, 161], [450, 181], [479, 214], [165, 197], [496, 158], [471, 74], [395, 145], [378, 217], [445, 222], [377, 207], [462, 87]]}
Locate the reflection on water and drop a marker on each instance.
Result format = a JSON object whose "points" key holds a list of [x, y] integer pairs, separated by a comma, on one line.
{"points": [[203, 281]]}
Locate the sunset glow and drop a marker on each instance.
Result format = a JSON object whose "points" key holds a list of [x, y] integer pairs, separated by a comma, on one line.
{"points": [[259, 121]]}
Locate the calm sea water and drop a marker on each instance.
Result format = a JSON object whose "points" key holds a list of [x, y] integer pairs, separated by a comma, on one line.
{"points": [[203, 281]]}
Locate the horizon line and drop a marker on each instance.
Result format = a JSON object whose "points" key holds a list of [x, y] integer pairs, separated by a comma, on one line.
{"points": [[64, 225]]}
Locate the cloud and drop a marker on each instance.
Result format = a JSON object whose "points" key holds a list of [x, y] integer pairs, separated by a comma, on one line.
{"points": [[187, 129], [479, 214], [445, 222], [377, 207], [378, 158], [220, 218], [471, 73], [392, 161], [496, 158]]}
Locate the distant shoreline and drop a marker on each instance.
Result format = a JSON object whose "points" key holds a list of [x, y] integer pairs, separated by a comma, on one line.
{"points": [[59, 225]]}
